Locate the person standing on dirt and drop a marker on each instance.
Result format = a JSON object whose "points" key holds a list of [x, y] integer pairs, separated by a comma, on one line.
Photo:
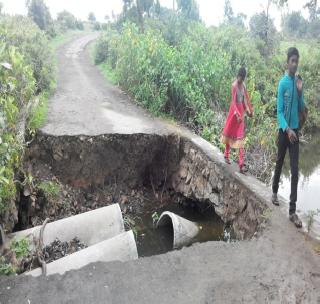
{"points": [[233, 134], [290, 103]]}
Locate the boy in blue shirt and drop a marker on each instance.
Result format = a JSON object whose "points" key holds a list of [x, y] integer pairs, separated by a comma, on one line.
{"points": [[290, 103]]}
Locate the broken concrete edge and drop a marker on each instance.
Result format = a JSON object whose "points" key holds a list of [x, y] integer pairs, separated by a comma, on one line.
{"points": [[188, 164], [119, 248], [184, 231], [90, 227], [240, 200]]}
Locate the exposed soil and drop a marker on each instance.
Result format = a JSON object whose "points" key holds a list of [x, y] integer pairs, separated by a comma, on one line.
{"points": [[57, 249]]}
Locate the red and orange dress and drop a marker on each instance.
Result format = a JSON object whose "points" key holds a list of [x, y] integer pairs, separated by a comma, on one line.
{"points": [[233, 134]]}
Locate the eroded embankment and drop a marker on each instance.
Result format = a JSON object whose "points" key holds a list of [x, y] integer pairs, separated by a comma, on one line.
{"points": [[158, 164]]}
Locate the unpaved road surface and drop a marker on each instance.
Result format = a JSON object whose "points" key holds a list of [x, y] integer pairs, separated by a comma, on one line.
{"points": [[276, 267], [85, 104]]}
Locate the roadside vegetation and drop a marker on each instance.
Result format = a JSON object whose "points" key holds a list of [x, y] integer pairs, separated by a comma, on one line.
{"points": [[174, 65], [27, 78]]}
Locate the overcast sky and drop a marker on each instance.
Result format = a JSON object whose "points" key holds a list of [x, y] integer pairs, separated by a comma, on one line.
{"points": [[211, 11]]}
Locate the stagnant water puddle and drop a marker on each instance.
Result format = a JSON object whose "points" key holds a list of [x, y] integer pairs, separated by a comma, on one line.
{"points": [[152, 240]]}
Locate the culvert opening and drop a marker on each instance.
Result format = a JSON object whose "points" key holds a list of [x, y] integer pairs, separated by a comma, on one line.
{"points": [[153, 240], [146, 175]]}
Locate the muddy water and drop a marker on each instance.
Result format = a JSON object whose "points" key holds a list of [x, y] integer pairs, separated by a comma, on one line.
{"points": [[151, 240], [309, 181]]}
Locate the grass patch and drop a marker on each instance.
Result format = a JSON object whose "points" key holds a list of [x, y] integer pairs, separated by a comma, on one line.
{"points": [[63, 38], [20, 247], [108, 73], [105, 69], [6, 268], [51, 189], [39, 113]]}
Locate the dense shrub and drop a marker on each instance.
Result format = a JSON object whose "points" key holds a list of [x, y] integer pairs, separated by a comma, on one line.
{"points": [[32, 42], [67, 21], [190, 78], [25, 70]]}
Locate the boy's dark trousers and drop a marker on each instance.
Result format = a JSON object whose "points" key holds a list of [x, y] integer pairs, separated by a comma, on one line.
{"points": [[283, 144]]}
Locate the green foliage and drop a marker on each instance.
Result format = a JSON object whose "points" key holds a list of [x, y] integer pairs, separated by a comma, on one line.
{"points": [[108, 73], [20, 247], [22, 33], [67, 21], [25, 70], [190, 80], [189, 9], [314, 11], [38, 113], [92, 17], [6, 268], [264, 30], [17, 88], [50, 189], [40, 14], [230, 18], [155, 218], [97, 26], [295, 25]]}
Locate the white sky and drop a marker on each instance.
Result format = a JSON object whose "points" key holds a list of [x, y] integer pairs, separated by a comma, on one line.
{"points": [[211, 11]]}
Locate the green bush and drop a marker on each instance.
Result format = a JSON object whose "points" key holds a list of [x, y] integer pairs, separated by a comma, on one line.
{"points": [[190, 78], [32, 43], [17, 88], [51, 189], [26, 69]]}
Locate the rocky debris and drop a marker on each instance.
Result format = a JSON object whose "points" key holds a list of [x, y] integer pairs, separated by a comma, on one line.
{"points": [[201, 178], [57, 249]]}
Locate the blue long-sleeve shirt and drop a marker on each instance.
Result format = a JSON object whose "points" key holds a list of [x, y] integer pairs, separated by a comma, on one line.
{"points": [[289, 104]]}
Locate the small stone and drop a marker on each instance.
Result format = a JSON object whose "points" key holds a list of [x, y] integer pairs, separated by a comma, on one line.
{"points": [[188, 179], [123, 199], [183, 173]]}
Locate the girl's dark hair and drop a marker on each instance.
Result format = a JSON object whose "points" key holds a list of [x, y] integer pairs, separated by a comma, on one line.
{"points": [[292, 52], [242, 73]]}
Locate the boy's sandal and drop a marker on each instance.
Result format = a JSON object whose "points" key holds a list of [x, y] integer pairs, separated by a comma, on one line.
{"points": [[227, 160]]}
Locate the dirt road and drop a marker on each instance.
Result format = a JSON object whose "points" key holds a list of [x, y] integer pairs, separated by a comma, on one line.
{"points": [[84, 103]]}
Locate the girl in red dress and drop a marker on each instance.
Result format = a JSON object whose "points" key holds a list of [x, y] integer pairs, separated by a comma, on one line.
{"points": [[233, 134]]}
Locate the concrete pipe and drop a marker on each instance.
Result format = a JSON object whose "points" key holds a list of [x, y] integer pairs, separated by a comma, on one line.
{"points": [[184, 231], [90, 227], [119, 248]]}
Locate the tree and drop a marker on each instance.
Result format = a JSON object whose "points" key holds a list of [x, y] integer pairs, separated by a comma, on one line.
{"points": [[92, 17], [69, 21], [263, 28], [228, 11], [230, 18], [295, 24], [144, 6], [314, 12], [157, 8], [39, 13], [189, 9], [314, 28]]}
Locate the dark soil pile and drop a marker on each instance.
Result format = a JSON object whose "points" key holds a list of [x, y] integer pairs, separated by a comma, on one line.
{"points": [[56, 250]]}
